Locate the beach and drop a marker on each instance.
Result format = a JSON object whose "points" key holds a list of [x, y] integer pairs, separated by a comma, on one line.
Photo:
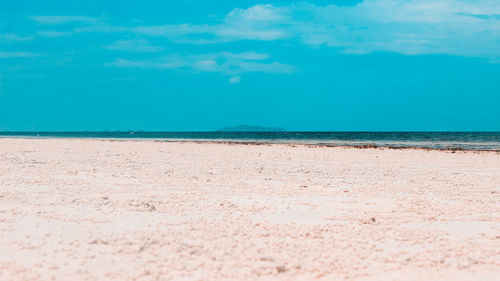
{"points": [[100, 209]]}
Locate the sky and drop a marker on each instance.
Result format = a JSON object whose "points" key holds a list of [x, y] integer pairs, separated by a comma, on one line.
{"points": [[338, 65]]}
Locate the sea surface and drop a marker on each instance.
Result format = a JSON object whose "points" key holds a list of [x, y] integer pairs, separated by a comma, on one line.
{"points": [[434, 140]]}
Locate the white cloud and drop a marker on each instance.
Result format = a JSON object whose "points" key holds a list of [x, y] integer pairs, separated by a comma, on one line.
{"points": [[407, 27], [266, 13], [224, 62], [455, 27], [63, 19], [235, 80], [260, 22], [6, 55], [137, 45], [12, 37]]}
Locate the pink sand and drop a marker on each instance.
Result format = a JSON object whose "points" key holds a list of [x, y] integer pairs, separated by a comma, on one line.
{"points": [[146, 210]]}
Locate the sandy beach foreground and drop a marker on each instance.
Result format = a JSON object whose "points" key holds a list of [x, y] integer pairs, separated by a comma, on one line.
{"points": [[80, 209]]}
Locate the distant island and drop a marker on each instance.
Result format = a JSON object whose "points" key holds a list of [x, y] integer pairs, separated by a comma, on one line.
{"points": [[249, 128]]}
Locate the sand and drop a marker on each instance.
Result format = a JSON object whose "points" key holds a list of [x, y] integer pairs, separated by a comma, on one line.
{"points": [[76, 209]]}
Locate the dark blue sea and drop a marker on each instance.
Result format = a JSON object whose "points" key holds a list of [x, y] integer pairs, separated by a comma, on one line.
{"points": [[435, 140]]}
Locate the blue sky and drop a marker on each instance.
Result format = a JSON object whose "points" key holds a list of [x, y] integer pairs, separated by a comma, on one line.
{"points": [[200, 65]]}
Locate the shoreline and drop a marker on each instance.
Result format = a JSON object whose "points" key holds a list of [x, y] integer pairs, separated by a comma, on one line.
{"points": [[264, 142]]}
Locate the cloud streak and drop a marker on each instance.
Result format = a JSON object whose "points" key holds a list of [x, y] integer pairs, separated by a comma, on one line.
{"points": [[224, 62], [235, 80], [53, 20], [52, 34], [138, 45], [8, 55], [12, 37]]}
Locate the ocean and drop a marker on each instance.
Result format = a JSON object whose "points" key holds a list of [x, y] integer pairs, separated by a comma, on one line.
{"points": [[433, 140]]}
